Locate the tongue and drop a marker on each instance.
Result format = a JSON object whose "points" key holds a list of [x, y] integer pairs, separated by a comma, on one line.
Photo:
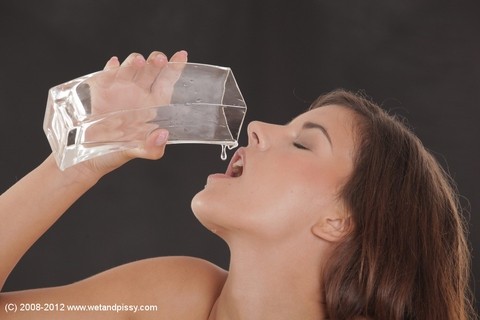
{"points": [[237, 171]]}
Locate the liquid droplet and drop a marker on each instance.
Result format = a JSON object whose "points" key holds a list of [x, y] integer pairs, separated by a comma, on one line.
{"points": [[223, 155]]}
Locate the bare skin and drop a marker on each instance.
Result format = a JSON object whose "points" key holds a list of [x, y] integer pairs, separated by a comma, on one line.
{"points": [[280, 228], [291, 219], [171, 282]]}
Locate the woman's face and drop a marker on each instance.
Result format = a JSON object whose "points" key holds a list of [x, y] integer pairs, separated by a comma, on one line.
{"points": [[285, 180]]}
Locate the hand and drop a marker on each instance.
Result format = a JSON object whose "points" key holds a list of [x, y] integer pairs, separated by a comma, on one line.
{"points": [[113, 91], [136, 83]]}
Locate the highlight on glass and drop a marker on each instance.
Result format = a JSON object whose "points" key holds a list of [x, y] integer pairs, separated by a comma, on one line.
{"points": [[116, 109]]}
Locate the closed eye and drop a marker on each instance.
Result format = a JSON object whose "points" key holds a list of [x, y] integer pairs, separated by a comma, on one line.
{"points": [[300, 146]]}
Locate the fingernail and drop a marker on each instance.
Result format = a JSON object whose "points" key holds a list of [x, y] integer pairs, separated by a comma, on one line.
{"points": [[112, 61], [161, 138], [139, 60], [184, 52], [160, 58]]}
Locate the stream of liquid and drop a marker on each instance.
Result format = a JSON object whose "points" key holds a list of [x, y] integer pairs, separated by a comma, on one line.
{"points": [[223, 154]]}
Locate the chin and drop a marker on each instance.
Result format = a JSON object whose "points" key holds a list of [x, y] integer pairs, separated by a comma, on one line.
{"points": [[211, 212], [202, 210], [208, 201], [197, 203]]}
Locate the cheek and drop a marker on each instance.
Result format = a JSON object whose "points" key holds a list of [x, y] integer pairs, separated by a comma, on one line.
{"points": [[272, 201], [298, 183], [290, 201]]}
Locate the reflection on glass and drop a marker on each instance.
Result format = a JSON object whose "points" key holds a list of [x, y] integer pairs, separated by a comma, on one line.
{"points": [[116, 109]]}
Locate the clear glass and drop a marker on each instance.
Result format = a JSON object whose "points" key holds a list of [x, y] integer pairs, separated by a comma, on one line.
{"points": [[116, 109]]}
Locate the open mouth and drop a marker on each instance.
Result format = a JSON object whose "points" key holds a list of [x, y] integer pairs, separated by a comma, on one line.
{"points": [[235, 168]]}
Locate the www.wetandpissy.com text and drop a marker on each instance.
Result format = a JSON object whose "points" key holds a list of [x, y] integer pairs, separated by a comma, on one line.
{"points": [[62, 307]]}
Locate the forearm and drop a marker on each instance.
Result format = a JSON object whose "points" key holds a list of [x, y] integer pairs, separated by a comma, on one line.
{"points": [[32, 205]]}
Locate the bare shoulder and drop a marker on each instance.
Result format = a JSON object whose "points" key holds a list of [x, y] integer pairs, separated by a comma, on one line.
{"points": [[179, 267], [177, 273], [180, 287], [169, 287]]}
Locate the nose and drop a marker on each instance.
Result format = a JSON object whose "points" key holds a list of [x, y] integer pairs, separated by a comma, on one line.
{"points": [[260, 134]]}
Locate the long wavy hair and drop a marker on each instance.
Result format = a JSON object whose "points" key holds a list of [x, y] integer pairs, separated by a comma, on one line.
{"points": [[407, 256]]}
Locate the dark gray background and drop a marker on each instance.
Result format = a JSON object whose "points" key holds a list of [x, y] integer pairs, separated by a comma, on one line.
{"points": [[419, 59]]}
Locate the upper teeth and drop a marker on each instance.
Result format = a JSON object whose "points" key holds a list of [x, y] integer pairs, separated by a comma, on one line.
{"points": [[238, 163], [237, 168]]}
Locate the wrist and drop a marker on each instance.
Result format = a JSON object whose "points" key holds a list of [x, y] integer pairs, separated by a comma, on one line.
{"points": [[75, 175]]}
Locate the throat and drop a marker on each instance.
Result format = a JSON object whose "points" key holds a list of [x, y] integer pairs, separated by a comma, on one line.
{"points": [[257, 289]]}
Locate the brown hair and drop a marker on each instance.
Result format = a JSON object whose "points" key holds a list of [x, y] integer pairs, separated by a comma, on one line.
{"points": [[407, 256]]}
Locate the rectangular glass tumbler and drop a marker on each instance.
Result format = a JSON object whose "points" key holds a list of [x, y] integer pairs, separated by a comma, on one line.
{"points": [[116, 109]]}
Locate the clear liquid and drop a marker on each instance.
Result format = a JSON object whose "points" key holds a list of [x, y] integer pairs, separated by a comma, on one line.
{"points": [[223, 154], [103, 112], [211, 124], [197, 123]]}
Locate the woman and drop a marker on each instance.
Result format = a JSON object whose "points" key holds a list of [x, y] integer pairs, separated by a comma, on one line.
{"points": [[340, 214]]}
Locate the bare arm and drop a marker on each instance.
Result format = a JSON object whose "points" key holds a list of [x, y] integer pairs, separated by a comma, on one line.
{"points": [[33, 204], [159, 288]]}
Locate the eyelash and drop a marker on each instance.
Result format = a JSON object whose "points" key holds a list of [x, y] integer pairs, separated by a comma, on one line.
{"points": [[300, 146]]}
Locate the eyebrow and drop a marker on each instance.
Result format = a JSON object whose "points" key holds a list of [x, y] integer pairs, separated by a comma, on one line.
{"points": [[313, 125]]}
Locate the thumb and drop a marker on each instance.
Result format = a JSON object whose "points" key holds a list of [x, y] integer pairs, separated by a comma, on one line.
{"points": [[154, 146]]}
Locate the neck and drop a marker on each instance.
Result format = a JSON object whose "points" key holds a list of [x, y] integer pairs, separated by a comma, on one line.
{"points": [[277, 281]]}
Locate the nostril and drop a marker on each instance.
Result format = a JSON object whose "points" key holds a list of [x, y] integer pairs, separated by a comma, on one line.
{"points": [[256, 134], [255, 138], [252, 133]]}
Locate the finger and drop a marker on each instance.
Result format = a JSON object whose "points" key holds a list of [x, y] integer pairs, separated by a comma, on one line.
{"points": [[133, 59], [179, 56], [156, 57], [104, 78], [180, 59], [165, 82], [146, 76], [157, 138], [130, 66], [112, 63], [154, 147]]}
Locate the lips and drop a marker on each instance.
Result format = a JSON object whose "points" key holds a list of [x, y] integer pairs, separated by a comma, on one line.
{"points": [[237, 164]]}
